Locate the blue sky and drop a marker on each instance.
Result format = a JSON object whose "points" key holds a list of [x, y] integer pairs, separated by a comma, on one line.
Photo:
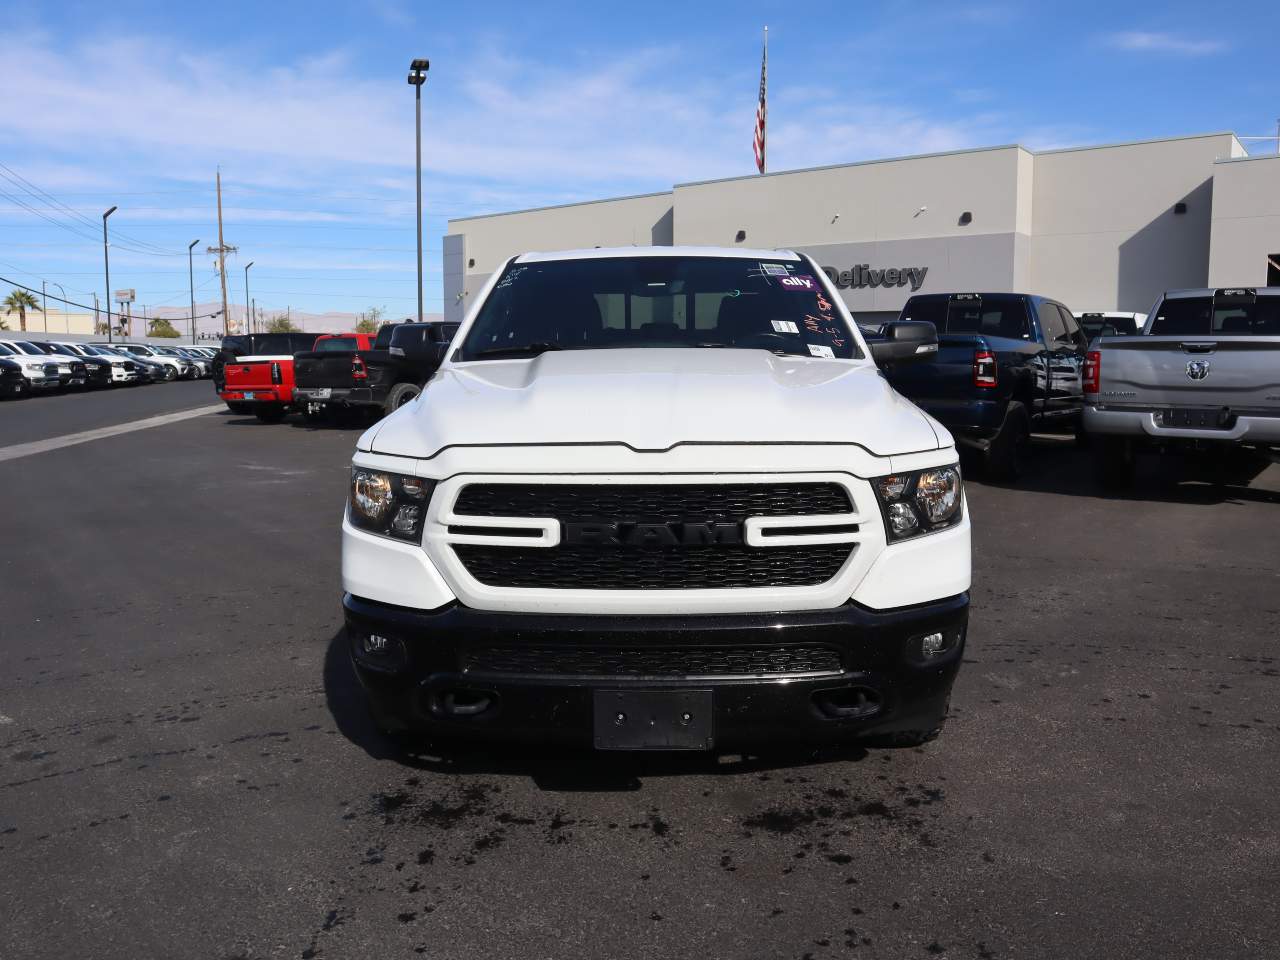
{"points": [[306, 108]]}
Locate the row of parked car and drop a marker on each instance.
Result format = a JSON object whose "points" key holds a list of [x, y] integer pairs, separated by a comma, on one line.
{"points": [[273, 374], [1191, 376], [39, 366], [1197, 374]]}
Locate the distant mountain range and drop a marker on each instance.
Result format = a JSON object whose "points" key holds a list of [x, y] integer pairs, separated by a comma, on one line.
{"points": [[211, 327]]}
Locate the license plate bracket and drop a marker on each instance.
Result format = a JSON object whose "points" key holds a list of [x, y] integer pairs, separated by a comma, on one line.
{"points": [[653, 719], [1198, 418]]}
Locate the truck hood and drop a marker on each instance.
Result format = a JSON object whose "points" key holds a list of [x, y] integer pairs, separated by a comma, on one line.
{"points": [[654, 399]]}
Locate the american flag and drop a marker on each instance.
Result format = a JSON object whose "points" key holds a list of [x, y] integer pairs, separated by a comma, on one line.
{"points": [[762, 108]]}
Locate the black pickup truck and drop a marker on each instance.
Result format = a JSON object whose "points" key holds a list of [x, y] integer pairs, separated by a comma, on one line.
{"points": [[403, 358], [1007, 363]]}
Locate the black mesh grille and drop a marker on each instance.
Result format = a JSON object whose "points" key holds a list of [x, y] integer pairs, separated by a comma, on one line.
{"points": [[652, 502], [669, 568], [652, 661], [686, 567]]}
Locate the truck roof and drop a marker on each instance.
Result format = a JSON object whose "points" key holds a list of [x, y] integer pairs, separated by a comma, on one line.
{"points": [[598, 253], [1210, 291]]}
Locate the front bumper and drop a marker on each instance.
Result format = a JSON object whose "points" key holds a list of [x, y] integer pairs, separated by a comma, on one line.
{"points": [[1146, 424], [873, 682]]}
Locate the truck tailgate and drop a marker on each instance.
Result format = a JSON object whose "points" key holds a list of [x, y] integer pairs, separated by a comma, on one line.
{"points": [[251, 374], [1242, 373], [323, 369]]}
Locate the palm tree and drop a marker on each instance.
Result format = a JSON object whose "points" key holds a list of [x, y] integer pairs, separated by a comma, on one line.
{"points": [[19, 302]]}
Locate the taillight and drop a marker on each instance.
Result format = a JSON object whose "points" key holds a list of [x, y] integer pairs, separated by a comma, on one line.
{"points": [[275, 373], [358, 369], [1092, 371], [984, 368]]}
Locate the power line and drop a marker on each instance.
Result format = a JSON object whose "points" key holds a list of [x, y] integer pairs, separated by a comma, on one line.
{"points": [[39, 194], [85, 306]]}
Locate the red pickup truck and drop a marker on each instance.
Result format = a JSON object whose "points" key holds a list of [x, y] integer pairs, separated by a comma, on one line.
{"points": [[261, 382]]}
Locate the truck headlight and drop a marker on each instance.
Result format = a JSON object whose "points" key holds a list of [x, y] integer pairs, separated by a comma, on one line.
{"points": [[919, 502], [389, 504]]}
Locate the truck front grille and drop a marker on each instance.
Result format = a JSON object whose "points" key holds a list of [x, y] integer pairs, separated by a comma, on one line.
{"points": [[656, 662], [652, 502], [688, 565]]}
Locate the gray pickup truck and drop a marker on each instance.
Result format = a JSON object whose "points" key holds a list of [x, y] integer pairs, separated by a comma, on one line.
{"points": [[1204, 374]]}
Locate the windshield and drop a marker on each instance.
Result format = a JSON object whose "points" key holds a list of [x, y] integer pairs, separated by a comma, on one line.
{"points": [[338, 345], [1108, 326], [616, 302], [7, 351], [60, 348], [29, 348], [1221, 317]]}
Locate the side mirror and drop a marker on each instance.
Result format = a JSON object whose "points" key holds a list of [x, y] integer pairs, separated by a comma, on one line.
{"points": [[905, 341]]}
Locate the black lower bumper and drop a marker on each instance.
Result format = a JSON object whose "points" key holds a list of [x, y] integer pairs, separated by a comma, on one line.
{"points": [[813, 676], [341, 396]]}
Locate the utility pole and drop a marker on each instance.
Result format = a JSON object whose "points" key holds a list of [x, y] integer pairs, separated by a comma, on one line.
{"points": [[222, 250], [253, 310]]}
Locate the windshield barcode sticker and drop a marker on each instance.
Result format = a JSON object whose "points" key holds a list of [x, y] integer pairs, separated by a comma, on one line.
{"points": [[785, 326], [818, 350], [774, 269]]}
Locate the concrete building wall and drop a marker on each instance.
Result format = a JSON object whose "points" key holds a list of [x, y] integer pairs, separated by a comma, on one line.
{"points": [[1105, 234], [488, 241], [1246, 222], [42, 326], [1095, 227], [895, 214]]}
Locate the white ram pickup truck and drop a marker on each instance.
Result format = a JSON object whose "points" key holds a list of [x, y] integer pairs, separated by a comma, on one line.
{"points": [[660, 498], [1204, 374]]}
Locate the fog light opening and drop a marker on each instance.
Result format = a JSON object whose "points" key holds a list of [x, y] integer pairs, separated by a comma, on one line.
{"points": [[375, 645], [933, 646], [848, 703], [463, 703]]}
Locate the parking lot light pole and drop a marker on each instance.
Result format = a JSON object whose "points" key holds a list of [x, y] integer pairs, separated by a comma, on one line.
{"points": [[65, 303], [191, 279], [417, 77], [248, 326], [106, 268]]}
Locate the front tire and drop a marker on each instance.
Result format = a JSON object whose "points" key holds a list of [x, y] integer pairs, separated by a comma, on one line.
{"points": [[271, 412], [400, 394]]}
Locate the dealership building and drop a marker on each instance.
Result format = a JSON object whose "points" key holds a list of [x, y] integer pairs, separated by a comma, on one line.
{"points": [[1098, 228]]}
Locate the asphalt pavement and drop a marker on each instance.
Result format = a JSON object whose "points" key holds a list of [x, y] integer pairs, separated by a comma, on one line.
{"points": [[186, 769]]}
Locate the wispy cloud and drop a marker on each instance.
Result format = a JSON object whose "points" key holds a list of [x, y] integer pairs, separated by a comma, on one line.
{"points": [[1143, 41], [496, 128]]}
